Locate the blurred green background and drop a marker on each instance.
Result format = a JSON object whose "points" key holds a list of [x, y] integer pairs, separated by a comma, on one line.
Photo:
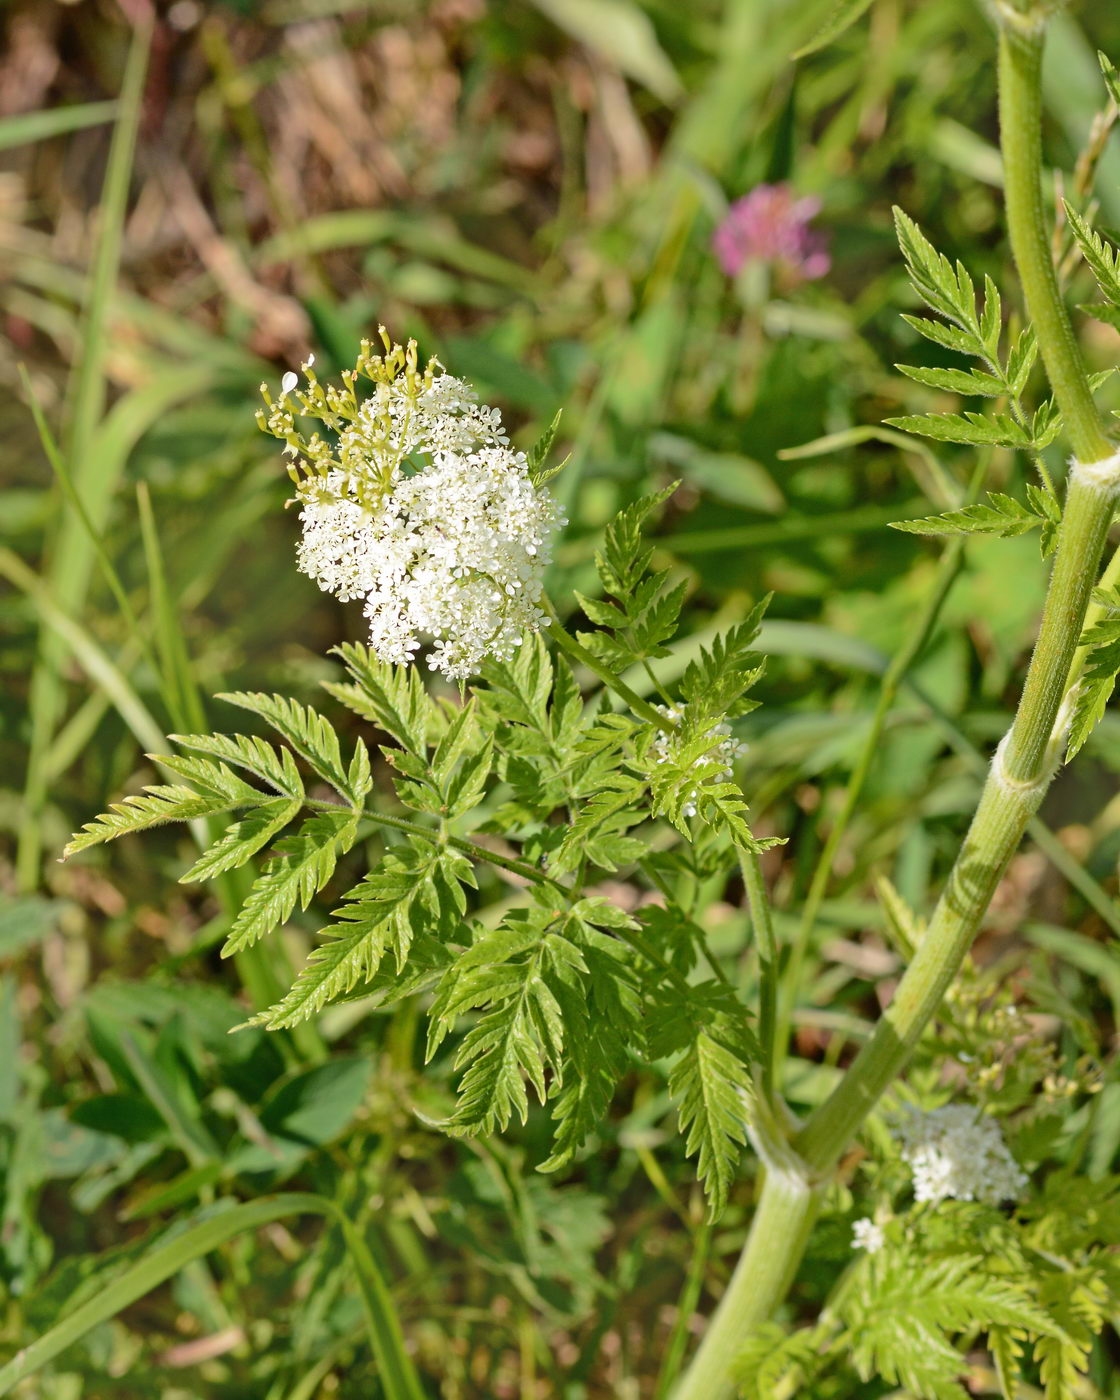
{"points": [[530, 189]]}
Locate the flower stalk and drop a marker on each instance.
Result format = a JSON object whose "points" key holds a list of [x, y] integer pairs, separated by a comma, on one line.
{"points": [[1020, 773]]}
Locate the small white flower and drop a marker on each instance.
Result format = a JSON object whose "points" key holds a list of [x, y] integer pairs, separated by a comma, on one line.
{"points": [[867, 1235], [289, 382], [956, 1152], [416, 503]]}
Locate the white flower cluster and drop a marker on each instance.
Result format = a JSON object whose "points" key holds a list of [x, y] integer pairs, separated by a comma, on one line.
{"points": [[867, 1235], [957, 1152], [420, 507], [729, 749]]}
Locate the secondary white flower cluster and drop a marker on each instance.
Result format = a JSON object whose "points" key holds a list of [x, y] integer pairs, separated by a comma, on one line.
{"points": [[418, 505], [729, 749], [867, 1235], [957, 1152]]}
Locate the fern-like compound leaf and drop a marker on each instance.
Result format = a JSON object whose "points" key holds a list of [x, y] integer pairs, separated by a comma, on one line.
{"points": [[222, 791], [300, 866], [313, 738], [243, 839], [274, 766], [703, 1028]]}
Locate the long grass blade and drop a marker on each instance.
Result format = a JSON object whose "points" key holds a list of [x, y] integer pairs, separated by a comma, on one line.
{"points": [[71, 554], [398, 1376], [24, 128]]}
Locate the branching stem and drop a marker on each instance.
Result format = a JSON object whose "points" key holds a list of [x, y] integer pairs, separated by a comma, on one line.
{"points": [[1016, 783]]}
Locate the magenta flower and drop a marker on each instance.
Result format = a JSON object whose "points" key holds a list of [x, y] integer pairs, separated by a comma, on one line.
{"points": [[769, 225]]}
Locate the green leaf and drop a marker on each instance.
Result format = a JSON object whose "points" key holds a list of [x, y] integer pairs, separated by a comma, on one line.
{"points": [[1002, 515], [622, 32], [956, 381], [1020, 360], [300, 866], [908, 1305], [625, 557], [1007, 1353], [906, 928], [244, 839], [1112, 80], [1102, 256], [538, 454], [1102, 666], [316, 1105], [972, 428], [392, 697], [24, 128], [601, 1032], [948, 336], [511, 976], [841, 19], [722, 673], [704, 1030], [616, 807], [1049, 510], [273, 766], [1103, 311], [465, 789], [222, 791], [420, 889], [313, 739], [944, 288]]}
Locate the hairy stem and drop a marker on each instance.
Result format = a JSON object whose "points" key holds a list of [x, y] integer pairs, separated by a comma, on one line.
{"points": [[1018, 778], [779, 1233]]}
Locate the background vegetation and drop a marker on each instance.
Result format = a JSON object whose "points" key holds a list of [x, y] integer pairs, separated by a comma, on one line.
{"points": [[531, 190]]}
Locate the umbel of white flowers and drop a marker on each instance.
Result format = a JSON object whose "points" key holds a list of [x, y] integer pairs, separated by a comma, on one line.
{"points": [[957, 1152], [415, 501]]}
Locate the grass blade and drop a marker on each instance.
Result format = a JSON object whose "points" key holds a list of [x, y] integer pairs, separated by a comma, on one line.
{"points": [[23, 128], [71, 554], [398, 1375]]}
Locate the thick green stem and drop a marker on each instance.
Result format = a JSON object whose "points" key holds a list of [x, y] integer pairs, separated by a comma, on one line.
{"points": [[1016, 783], [1088, 510], [779, 1233]]}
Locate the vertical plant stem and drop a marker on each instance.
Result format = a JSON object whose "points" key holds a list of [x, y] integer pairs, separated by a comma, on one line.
{"points": [[686, 1305], [1017, 780], [779, 1233]]}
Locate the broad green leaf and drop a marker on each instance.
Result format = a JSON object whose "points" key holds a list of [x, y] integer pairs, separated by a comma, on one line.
{"points": [[621, 32]]}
